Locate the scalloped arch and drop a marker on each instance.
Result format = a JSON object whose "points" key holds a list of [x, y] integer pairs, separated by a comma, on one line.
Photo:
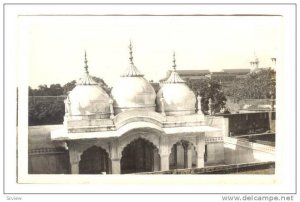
{"points": [[86, 146], [94, 145], [153, 138], [173, 142]]}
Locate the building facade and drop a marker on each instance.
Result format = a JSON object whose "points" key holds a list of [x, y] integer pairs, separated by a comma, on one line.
{"points": [[135, 129]]}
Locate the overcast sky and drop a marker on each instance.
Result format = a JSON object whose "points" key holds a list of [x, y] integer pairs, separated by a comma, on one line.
{"points": [[57, 45]]}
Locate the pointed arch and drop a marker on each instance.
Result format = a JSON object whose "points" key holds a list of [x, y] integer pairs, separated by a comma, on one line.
{"points": [[140, 155], [94, 160], [183, 155]]}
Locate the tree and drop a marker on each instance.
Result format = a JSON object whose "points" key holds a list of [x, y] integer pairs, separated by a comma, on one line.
{"points": [[58, 90], [55, 90], [42, 90], [30, 91], [68, 87], [256, 85], [41, 113], [208, 88]]}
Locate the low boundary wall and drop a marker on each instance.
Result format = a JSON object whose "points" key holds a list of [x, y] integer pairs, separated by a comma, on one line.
{"points": [[220, 169]]}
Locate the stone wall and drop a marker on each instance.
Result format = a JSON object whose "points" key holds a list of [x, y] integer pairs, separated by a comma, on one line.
{"points": [[214, 140], [250, 168], [250, 123], [46, 156], [49, 162], [215, 154], [239, 151]]}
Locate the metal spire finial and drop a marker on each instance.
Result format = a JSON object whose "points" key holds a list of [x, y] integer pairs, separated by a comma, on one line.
{"points": [[85, 61], [174, 62], [130, 53]]}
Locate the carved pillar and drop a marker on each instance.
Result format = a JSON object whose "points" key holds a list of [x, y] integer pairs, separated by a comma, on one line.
{"points": [[109, 170], [67, 107], [189, 157], [164, 162], [162, 100], [164, 153], [116, 166], [75, 168], [175, 155], [111, 108], [115, 157], [200, 141], [74, 161], [156, 161], [199, 105]]}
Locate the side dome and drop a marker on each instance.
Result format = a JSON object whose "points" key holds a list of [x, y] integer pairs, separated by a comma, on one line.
{"points": [[132, 91], [175, 97], [88, 98]]}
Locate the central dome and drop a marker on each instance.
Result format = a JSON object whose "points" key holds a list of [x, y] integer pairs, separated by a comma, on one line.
{"points": [[132, 91]]}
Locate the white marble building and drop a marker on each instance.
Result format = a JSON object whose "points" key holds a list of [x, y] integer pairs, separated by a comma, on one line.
{"points": [[135, 129]]}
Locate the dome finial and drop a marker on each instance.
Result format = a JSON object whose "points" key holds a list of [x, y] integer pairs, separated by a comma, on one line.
{"points": [[174, 76], [174, 62], [130, 53], [85, 61], [131, 71]]}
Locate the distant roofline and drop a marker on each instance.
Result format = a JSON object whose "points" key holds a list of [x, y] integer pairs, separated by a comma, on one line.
{"points": [[194, 72], [236, 71]]}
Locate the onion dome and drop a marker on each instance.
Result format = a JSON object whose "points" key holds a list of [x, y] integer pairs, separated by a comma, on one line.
{"points": [[88, 98], [177, 97], [132, 91]]}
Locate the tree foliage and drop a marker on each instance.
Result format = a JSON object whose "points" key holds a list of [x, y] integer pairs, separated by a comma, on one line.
{"points": [[207, 89], [256, 85], [42, 113], [57, 89], [69, 86], [44, 90]]}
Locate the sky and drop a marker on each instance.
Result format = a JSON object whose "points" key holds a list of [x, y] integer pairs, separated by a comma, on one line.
{"points": [[56, 45]]}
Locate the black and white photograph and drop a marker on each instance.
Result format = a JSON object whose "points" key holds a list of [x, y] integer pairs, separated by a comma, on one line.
{"points": [[158, 94], [153, 94]]}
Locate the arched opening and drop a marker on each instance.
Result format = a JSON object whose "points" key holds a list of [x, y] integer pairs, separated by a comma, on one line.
{"points": [[94, 160], [140, 156], [183, 155]]}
